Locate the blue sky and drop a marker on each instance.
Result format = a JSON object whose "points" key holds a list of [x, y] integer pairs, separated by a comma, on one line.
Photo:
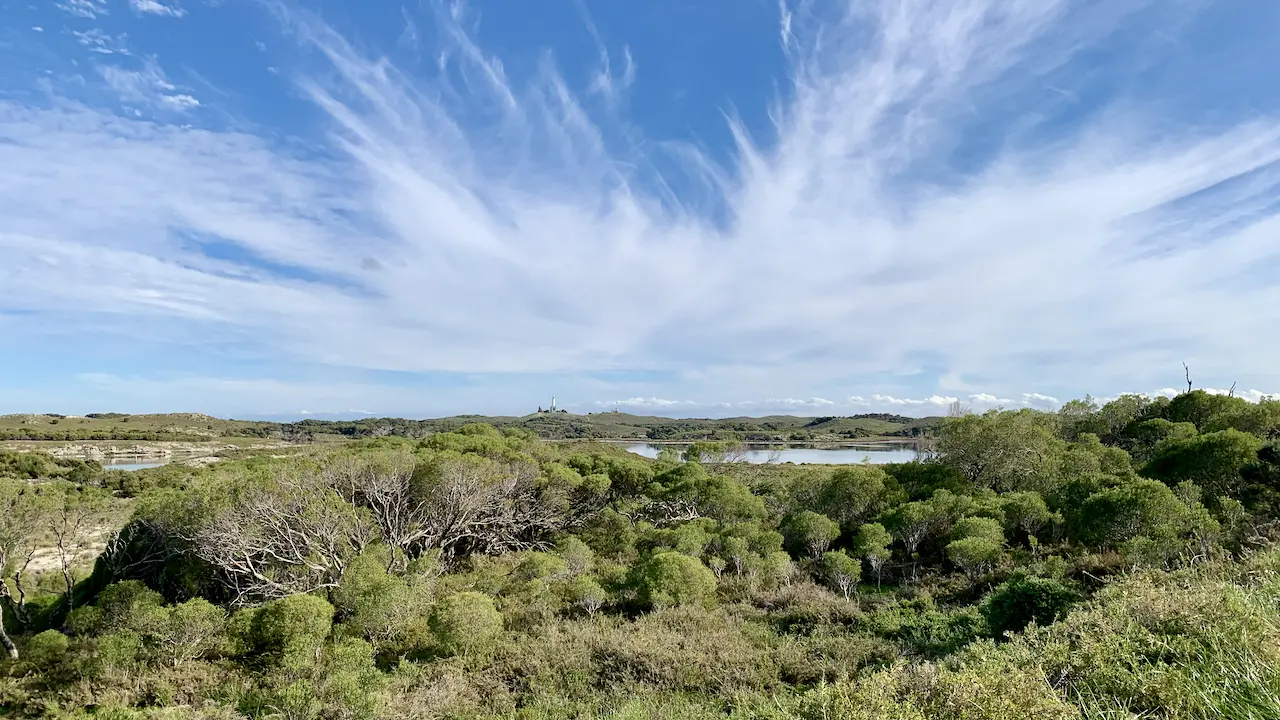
{"points": [[274, 208]]}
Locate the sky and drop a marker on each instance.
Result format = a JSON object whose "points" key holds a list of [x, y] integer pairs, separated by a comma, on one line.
{"points": [[269, 208]]}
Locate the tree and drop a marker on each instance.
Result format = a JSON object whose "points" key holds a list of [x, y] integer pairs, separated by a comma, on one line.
{"points": [[810, 533], [1213, 461], [22, 518], [976, 544], [278, 536], [1201, 408], [872, 542], [1119, 414], [75, 515], [1002, 450], [846, 495], [1138, 508], [737, 551], [974, 555], [382, 607], [1146, 436], [672, 578], [1261, 419], [465, 623], [841, 571], [1080, 416], [457, 503], [1025, 511], [910, 524], [586, 592], [186, 631]]}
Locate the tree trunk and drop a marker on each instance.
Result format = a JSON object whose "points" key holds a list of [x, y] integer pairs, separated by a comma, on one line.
{"points": [[6, 641]]}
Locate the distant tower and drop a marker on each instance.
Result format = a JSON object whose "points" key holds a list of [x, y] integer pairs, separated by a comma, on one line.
{"points": [[553, 403]]}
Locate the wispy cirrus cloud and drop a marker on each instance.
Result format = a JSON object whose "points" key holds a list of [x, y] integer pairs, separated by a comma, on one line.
{"points": [[88, 9], [155, 7], [458, 219], [148, 86], [99, 41]]}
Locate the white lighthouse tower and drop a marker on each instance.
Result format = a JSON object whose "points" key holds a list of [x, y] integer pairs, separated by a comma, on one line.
{"points": [[553, 403]]}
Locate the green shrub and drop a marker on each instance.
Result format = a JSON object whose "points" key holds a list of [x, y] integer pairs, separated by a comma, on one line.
{"points": [[46, 649], [1017, 603], [809, 533], [126, 605], [294, 626], [672, 578], [841, 572], [466, 623]]}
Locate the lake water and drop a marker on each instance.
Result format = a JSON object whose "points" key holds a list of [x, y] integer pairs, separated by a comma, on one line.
{"points": [[130, 466], [847, 455]]}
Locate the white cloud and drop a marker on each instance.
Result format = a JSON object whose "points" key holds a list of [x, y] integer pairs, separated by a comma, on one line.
{"points": [[988, 399], [148, 86], [843, 253], [816, 402], [84, 8], [180, 101], [1252, 396], [37, 28], [1039, 400], [646, 402], [155, 7], [100, 42]]}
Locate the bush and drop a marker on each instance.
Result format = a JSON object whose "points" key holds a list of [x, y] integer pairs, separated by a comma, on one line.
{"points": [[125, 605], [671, 578], [46, 649], [841, 571], [1019, 602], [466, 623], [291, 627], [810, 533]]}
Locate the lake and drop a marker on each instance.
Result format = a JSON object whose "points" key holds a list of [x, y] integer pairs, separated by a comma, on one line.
{"points": [[847, 455], [129, 466]]}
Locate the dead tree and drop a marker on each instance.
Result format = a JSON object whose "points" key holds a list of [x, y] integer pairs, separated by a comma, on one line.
{"points": [[292, 535], [453, 504]]}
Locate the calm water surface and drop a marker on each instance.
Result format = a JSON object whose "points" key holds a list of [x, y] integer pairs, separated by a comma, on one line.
{"points": [[130, 466], [876, 454]]}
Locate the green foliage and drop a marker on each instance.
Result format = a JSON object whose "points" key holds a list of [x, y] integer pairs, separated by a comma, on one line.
{"points": [[1139, 508], [872, 544], [466, 623], [810, 533], [1201, 408], [586, 593], [672, 578], [1025, 512], [291, 628], [841, 572], [974, 555], [1002, 450], [46, 649], [847, 495], [1213, 461], [1026, 599], [978, 527], [615, 586]]}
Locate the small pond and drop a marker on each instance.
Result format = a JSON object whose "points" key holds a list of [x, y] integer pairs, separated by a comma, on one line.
{"points": [[129, 465], [845, 455]]}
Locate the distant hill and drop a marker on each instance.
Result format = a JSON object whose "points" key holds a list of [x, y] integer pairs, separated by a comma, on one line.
{"points": [[558, 425]]}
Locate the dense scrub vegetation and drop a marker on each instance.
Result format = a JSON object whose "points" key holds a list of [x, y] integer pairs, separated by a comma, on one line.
{"points": [[1099, 562], [558, 425]]}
